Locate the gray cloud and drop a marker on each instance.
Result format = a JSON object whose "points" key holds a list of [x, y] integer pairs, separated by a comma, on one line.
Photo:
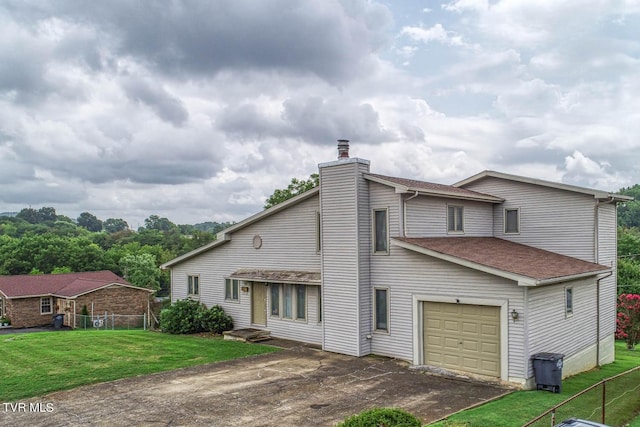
{"points": [[166, 106]]}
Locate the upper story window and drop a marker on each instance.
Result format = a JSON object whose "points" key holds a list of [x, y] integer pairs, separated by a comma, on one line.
{"points": [[455, 223], [193, 285], [45, 305], [511, 221], [231, 289], [380, 231]]}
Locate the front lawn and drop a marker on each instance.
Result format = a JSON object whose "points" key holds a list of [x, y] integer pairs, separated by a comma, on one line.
{"points": [[34, 364], [521, 406]]}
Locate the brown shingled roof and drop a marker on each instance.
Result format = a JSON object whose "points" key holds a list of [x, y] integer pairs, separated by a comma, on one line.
{"points": [[431, 187], [64, 285], [508, 256], [278, 276]]}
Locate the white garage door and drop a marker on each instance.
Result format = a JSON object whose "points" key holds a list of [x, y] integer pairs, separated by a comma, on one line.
{"points": [[462, 337]]}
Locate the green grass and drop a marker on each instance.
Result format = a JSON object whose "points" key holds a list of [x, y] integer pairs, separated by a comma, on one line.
{"points": [[37, 363], [521, 406]]}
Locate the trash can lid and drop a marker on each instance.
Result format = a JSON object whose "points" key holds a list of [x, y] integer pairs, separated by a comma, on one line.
{"points": [[548, 356]]}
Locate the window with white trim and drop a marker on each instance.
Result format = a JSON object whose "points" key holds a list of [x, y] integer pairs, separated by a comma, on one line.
{"points": [[193, 285], [568, 301], [46, 306], [381, 309], [455, 219], [288, 301], [275, 299], [511, 221], [318, 232], [380, 231], [231, 289]]}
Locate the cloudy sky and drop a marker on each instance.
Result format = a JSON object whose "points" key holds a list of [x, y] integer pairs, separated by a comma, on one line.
{"points": [[198, 110]]}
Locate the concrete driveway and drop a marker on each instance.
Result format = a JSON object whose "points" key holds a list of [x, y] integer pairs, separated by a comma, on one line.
{"points": [[298, 386]]}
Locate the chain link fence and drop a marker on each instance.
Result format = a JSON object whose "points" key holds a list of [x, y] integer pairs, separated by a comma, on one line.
{"points": [[112, 321], [613, 401]]}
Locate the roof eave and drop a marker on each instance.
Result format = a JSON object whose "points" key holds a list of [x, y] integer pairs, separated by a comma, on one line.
{"points": [[403, 189], [225, 235], [553, 280], [535, 181], [195, 252], [519, 278]]}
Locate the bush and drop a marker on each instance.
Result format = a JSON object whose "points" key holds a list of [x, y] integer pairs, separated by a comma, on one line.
{"points": [[216, 320], [382, 417], [189, 317]]}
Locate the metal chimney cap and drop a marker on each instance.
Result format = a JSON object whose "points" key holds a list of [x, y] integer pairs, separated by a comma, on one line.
{"points": [[343, 149]]}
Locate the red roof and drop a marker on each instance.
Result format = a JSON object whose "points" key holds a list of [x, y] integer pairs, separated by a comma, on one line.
{"points": [[64, 285], [508, 256]]}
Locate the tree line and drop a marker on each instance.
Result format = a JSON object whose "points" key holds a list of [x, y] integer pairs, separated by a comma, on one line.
{"points": [[39, 241]]}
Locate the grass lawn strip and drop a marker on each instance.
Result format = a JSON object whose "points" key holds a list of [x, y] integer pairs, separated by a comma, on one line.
{"points": [[519, 407], [38, 363]]}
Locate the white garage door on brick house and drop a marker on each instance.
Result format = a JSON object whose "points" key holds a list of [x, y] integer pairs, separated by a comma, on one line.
{"points": [[462, 337]]}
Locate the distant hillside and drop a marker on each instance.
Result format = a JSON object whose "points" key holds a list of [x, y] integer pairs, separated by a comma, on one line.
{"points": [[8, 213]]}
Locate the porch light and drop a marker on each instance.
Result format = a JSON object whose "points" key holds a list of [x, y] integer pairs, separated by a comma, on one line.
{"points": [[514, 315]]}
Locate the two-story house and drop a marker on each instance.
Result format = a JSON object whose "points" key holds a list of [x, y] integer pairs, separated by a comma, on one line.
{"points": [[476, 277]]}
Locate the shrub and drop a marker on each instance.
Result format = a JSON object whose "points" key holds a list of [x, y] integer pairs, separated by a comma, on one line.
{"points": [[382, 417], [183, 317], [628, 319], [189, 317], [216, 320]]}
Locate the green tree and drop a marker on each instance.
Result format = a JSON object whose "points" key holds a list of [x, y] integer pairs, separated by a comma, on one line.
{"points": [[141, 270], [629, 212], [114, 225], [628, 276], [154, 222], [90, 222], [297, 186], [61, 270], [32, 216]]}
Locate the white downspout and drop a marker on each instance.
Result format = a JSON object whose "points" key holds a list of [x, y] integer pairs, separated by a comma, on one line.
{"points": [[404, 214]]}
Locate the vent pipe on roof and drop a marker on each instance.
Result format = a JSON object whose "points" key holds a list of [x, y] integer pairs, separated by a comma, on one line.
{"points": [[343, 149]]}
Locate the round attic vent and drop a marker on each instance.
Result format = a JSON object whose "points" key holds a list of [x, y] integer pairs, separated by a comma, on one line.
{"points": [[257, 241]]}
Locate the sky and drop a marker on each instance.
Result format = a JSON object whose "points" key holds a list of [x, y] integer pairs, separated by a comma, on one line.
{"points": [[198, 110]]}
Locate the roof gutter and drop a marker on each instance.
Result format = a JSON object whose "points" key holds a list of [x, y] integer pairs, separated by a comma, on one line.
{"points": [[551, 281]]}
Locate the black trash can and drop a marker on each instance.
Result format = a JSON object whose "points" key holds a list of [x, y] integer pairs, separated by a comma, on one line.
{"points": [[548, 371], [58, 320]]}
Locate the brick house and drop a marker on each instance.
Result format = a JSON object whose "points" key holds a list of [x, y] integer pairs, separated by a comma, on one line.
{"points": [[33, 300]]}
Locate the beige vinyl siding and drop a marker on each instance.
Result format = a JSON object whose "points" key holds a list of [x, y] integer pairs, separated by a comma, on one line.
{"points": [[407, 273], [342, 266], [607, 255], [550, 330], [365, 242], [427, 217], [294, 227], [552, 219]]}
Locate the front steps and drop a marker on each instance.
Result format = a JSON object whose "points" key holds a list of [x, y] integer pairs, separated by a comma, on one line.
{"points": [[247, 335]]}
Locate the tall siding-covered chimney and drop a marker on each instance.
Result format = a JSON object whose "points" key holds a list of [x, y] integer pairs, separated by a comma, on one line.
{"points": [[343, 149], [345, 258]]}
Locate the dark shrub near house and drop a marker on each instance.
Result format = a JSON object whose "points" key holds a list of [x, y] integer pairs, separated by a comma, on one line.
{"points": [[190, 316]]}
